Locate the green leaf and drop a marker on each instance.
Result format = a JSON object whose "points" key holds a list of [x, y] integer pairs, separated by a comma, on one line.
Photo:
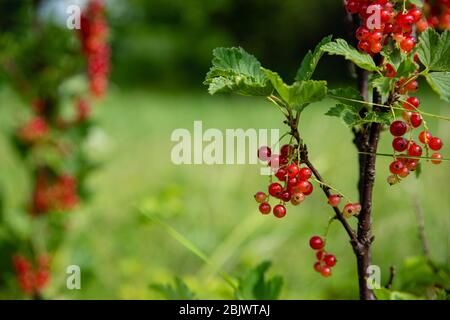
{"points": [[417, 3], [434, 50], [336, 111], [254, 285], [180, 291], [383, 85], [311, 60], [345, 95], [406, 67], [440, 82], [301, 93], [351, 118], [342, 48], [386, 294], [235, 70]]}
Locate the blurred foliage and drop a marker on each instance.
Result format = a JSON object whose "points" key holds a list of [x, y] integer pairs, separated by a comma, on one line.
{"points": [[170, 41], [179, 291]]}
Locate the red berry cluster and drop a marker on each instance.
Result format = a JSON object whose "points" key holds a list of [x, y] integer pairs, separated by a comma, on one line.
{"points": [[402, 166], [54, 194], [31, 278], [437, 13], [293, 185], [94, 34], [33, 131], [325, 261], [394, 25], [350, 209]]}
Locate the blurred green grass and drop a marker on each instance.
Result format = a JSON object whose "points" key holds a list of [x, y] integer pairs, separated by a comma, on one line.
{"points": [[120, 256]]}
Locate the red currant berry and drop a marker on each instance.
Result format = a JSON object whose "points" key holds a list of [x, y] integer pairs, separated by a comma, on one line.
{"points": [[279, 211], [411, 103], [264, 208], [334, 200], [435, 144], [317, 266], [264, 153], [285, 196], [362, 33], [286, 150], [275, 189], [305, 187], [320, 255], [260, 197], [437, 158], [412, 86], [330, 260], [376, 47], [349, 210], [281, 174], [398, 128], [305, 173], [390, 71], [404, 173], [292, 170], [400, 144], [364, 46], [416, 14], [414, 150], [408, 44], [292, 182], [396, 167], [325, 271], [375, 37], [416, 120], [411, 164], [297, 198], [316, 243], [425, 136]]}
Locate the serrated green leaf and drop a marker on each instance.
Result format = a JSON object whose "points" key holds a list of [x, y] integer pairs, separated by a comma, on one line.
{"points": [[310, 61], [440, 83], [406, 67], [178, 291], [434, 50], [336, 111], [235, 70], [254, 285], [383, 85], [351, 118], [342, 48], [345, 95], [393, 57], [301, 93]]}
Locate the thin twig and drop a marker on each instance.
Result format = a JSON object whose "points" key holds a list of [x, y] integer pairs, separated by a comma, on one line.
{"points": [[392, 273]]}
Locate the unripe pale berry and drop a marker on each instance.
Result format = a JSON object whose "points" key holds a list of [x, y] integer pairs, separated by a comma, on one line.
{"points": [[334, 200], [260, 197]]}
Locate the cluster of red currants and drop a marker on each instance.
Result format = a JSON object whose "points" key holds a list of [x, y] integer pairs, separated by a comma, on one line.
{"points": [[293, 185], [394, 24], [32, 279], [35, 130], [325, 261], [94, 36], [437, 13], [54, 193], [350, 209]]}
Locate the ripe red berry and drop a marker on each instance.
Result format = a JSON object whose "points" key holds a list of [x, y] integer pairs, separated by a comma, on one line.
{"points": [[403, 173], [408, 44], [305, 187], [362, 33], [279, 211], [285, 196], [412, 86], [398, 128], [286, 150], [292, 182], [330, 260], [425, 136], [349, 210], [265, 208], [320, 255], [264, 153], [334, 200], [325, 271], [400, 144], [275, 189], [396, 167], [390, 71], [411, 103], [375, 37], [281, 174], [317, 266], [376, 47], [305, 173], [416, 120], [364, 46], [416, 14], [292, 170], [260, 197], [316, 243], [437, 158], [414, 150], [435, 144]]}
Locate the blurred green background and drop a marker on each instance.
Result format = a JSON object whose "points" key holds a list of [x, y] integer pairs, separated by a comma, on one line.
{"points": [[161, 52]]}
